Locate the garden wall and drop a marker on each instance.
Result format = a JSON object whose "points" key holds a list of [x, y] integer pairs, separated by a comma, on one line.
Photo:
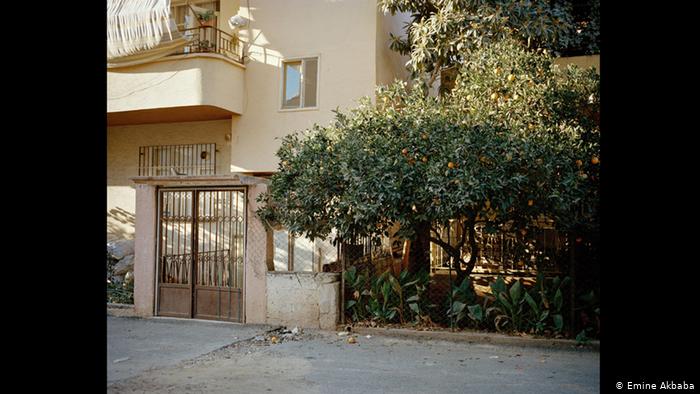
{"points": [[303, 299]]}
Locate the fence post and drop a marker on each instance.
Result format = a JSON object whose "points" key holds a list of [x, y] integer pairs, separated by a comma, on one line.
{"points": [[342, 282], [572, 275], [449, 240]]}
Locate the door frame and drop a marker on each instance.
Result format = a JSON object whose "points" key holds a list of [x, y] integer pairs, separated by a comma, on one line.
{"points": [[194, 190]]}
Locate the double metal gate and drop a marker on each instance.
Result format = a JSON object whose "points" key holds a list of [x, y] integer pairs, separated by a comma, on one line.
{"points": [[200, 253]]}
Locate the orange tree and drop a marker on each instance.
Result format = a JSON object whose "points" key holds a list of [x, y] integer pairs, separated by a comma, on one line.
{"points": [[515, 140], [443, 33]]}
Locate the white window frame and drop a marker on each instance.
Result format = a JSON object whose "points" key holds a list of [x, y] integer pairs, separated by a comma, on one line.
{"points": [[301, 85]]}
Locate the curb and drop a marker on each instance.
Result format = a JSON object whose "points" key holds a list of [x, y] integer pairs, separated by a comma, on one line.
{"points": [[121, 310], [481, 338]]}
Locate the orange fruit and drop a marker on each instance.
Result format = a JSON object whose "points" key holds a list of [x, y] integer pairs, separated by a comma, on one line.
{"points": [[579, 163], [530, 203], [451, 165], [595, 160], [404, 151]]}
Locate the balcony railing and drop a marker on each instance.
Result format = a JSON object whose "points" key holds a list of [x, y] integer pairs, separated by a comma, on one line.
{"points": [[208, 39]]}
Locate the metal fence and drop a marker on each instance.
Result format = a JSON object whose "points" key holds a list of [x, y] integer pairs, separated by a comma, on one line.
{"points": [[514, 256]]}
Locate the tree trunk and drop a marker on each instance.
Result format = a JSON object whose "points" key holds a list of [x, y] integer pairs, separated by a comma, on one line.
{"points": [[419, 253], [474, 247]]}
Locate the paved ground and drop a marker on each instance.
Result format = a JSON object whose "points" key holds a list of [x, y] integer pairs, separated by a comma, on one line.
{"points": [[322, 362], [137, 345]]}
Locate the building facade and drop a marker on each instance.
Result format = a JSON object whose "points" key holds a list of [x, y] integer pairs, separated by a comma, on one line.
{"points": [[194, 123], [195, 118]]}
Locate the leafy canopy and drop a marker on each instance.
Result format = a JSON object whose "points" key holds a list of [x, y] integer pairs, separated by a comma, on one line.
{"points": [[516, 140], [443, 33]]}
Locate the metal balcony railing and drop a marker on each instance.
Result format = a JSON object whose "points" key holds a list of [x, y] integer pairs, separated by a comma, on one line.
{"points": [[208, 39]]}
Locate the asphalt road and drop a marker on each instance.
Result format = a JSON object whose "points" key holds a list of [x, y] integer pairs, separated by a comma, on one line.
{"points": [[323, 362]]}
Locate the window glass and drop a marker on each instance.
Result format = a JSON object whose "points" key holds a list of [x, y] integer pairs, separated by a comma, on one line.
{"points": [[310, 78], [292, 85], [303, 254], [300, 83], [281, 259]]}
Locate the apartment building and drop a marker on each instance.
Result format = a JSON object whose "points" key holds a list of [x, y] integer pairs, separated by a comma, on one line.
{"points": [[196, 106]]}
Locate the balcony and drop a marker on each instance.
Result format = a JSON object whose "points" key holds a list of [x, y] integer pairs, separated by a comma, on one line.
{"points": [[208, 39], [201, 81]]}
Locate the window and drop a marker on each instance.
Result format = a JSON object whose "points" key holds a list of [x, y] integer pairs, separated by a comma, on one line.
{"points": [[299, 85], [301, 254], [164, 160]]}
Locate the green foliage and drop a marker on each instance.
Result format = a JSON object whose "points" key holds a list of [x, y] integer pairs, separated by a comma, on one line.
{"points": [[414, 289], [464, 305], [385, 298], [589, 312], [462, 296], [546, 300], [444, 33], [512, 142], [582, 337], [120, 293], [509, 306], [382, 306], [117, 292], [357, 284]]}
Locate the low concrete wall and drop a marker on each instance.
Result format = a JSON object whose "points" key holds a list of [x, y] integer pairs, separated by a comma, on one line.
{"points": [[581, 61], [303, 299]]}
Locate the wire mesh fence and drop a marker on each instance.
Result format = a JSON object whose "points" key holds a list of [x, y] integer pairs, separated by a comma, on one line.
{"points": [[379, 290]]}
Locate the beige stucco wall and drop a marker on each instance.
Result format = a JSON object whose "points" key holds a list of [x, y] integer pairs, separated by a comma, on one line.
{"points": [[255, 265], [187, 80], [123, 159], [227, 9], [144, 251], [390, 64], [581, 61], [341, 32], [303, 299]]}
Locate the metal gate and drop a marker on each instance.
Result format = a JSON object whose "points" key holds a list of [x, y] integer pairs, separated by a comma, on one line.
{"points": [[200, 253]]}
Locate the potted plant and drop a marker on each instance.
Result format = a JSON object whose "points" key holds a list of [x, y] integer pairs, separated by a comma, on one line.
{"points": [[206, 17]]}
